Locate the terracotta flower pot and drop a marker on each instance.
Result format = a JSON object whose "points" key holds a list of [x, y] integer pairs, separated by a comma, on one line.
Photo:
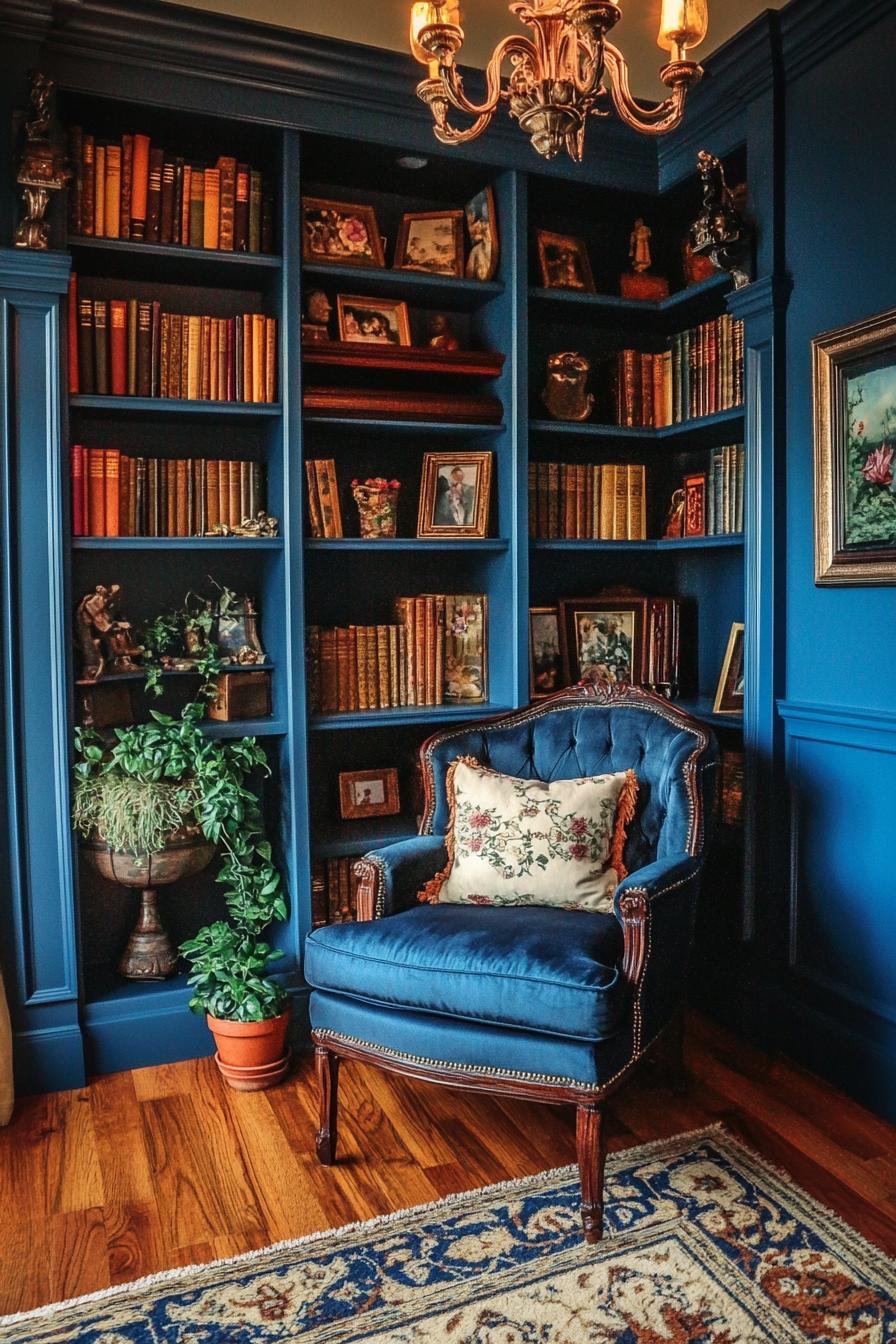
{"points": [[251, 1055]]}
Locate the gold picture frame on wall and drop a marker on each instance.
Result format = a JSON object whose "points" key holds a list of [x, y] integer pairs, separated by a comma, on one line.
{"points": [[854, 396]]}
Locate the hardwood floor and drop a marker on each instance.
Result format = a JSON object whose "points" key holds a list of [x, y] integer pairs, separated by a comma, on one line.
{"points": [[166, 1166]]}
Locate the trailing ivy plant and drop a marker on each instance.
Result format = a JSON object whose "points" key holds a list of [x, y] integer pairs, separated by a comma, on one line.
{"points": [[158, 777]]}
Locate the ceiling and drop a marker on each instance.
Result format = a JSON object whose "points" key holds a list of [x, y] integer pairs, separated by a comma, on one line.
{"points": [[384, 23]]}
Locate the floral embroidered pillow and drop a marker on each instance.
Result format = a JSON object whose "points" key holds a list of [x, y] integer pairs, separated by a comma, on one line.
{"points": [[523, 842]]}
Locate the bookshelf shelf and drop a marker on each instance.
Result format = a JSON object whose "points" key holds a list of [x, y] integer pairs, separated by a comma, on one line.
{"points": [[638, 433], [615, 306], [414, 714], [362, 544], [245, 728], [406, 359], [121, 257], [105, 993], [421, 427], [381, 283], [238, 410], [728, 541], [701, 706], [356, 837], [177, 543]]}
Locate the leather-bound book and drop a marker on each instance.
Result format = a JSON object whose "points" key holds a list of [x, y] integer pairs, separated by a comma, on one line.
{"points": [[154, 195], [646, 390], [351, 658], [223, 490], [79, 492], [382, 666], [568, 491], [76, 189], [246, 510], [155, 343], [637, 530], [166, 207], [175, 336], [139, 187], [241, 209], [373, 681], [234, 514], [581, 500], [237, 326], [211, 208], [267, 216], [420, 650], [315, 520], [131, 515], [151, 521], [205, 357], [227, 170], [165, 355], [343, 669], [99, 195], [221, 328], [270, 360], [193, 355], [182, 505], [124, 477], [212, 505], [177, 210], [631, 374], [110, 481], [185, 195], [144, 348], [131, 345], [86, 362], [254, 210], [112, 217], [197, 207], [555, 502], [96, 492], [596, 506], [258, 356], [101, 345], [403, 608], [127, 177], [607, 501], [71, 317], [248, 355], [402, 666], [88, 184], [360, 647], [394, 675], [118, 353], [620, 517], [658, 397], [171, 497]]}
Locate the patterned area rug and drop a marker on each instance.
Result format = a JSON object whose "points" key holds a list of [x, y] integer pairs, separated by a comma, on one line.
{"points": [[707, 1243]]}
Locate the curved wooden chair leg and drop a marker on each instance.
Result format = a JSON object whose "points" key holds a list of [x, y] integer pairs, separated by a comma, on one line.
{"points": [[327, 1067], [591, 1155]]}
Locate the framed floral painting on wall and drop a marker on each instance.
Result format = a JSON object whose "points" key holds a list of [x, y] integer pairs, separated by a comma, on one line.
{"points": [[855, 442]]}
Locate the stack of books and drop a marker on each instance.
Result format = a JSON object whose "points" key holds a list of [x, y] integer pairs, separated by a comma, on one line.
{"points": [[701, 373], [131, 348], [115, 494], [324, 513], [575, 502], [334, 890], [133, 189], [725, 491], [435, 652]]}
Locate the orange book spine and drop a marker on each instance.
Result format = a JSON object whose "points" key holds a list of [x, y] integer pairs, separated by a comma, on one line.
{"points": [[112, 466], [212, 511], [96, 492], [211, 208], [139, 187], [99, 202], [182, 520], [112, 217], [420, 648], [270, 359]]}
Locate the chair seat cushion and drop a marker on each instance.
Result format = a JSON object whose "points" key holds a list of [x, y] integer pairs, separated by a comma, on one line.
{"points": [[552, 971]]}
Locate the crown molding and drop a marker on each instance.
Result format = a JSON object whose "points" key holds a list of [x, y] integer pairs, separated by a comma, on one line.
{"points": [[26, 18], [29, 270], [811, 30]]}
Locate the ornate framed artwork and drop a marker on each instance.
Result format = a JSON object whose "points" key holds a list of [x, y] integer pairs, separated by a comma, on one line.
{"points": [[482, 227], [564, 262], [695, 505], [368, 793], [730, 691], [855, 438], [432, 241], [602, 639], [466, 648], [373, 321], [337, 231], [545, 657], [454, 495]]}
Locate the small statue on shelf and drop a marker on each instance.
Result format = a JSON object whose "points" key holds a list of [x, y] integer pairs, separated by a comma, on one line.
{"points": [[43, 168], [262, 525], [105, 640], [720, 231], [639, 247], [638, 283], [565, 395], [316, 323], [441, 333]]}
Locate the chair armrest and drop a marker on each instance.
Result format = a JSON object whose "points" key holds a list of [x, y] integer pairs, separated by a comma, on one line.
{"points": [[390, 878]]}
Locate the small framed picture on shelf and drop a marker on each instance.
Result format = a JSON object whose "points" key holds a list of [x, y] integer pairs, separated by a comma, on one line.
{"points": [[455, 493], [730, 691], [373, 321], [545, 658], [695, 505], [482, 229], [466, 648], [602, 639], [368, 793], [432, 241], [340, 232], [564, 262]]}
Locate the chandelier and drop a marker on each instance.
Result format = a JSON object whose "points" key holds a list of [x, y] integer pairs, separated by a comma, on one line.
{"points": [[557, 75]]}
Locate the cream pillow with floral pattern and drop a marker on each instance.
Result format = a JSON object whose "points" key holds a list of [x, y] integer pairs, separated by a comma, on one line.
{"points": [[523, 842]]}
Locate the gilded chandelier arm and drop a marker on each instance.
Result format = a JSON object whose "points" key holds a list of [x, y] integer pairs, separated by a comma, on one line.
{"points": [[648, 120], [517, 46]]}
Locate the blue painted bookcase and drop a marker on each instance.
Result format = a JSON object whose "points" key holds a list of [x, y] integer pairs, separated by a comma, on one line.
{"points": [[329, 119]]}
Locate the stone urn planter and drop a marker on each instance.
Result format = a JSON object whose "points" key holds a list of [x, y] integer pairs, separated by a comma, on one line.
{"points": [[149, 954], [251, 1055]]}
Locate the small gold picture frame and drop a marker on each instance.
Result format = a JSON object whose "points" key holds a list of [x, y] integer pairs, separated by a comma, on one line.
{"points": [[564, 262], [730, 691], [373, 321], [341, 233], [455, 494], [431, 241], [368, 793]]}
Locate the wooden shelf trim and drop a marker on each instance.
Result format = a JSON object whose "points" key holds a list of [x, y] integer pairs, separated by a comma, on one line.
{"points": [[409, 358]]}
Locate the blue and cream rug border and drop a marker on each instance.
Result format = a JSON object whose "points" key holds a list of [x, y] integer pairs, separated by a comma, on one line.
{"points": [[706, 1242]]}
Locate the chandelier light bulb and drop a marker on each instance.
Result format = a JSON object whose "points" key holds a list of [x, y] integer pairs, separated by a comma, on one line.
{"points": [[683, 25]]}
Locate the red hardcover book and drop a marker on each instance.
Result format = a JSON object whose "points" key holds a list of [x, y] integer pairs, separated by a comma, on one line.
{"points": [[96, 492], [72, 339], [79, 493], [112, 459], [139, 187], [118, 346]]}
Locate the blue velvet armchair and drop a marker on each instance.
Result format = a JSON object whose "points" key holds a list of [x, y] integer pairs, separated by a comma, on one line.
{"points": [[548, 1004]]}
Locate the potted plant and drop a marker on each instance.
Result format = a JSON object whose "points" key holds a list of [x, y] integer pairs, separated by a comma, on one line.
{"points": [[162, 789]]}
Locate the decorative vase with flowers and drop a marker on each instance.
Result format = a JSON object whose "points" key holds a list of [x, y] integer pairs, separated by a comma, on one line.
{"points": [[377, 501]]}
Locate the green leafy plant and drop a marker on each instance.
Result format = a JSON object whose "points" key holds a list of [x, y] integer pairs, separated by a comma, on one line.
{"points": [[165, 775]]}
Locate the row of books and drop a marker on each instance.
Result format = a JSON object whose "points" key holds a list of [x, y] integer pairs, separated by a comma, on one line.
{"points": [[324, 513], [700, 374], [435, 652], [725, 491], [661, 647], [133, 189], [131, 348], [587, 502], [334, 892], [117, 495]]}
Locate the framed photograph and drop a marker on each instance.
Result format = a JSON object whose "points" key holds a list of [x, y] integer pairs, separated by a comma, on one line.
{"points": [[482, 229], [432, 241], [373, 321], [564, 262], [602, 639], [730, 692], [855, 436], [466, 648], [336, 231], [368, 793], [545, 657], [455, 493], [695, 505]]}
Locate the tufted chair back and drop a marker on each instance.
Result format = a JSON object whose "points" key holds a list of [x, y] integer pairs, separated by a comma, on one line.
{"points": [[581, 732]]}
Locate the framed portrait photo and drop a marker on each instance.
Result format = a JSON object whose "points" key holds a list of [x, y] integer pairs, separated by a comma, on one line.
{"points": [[545, 656], [368, 793], [482, 230], [373, 321], [855, 437], [564, 262], [730, 691], [455, 493], [432, 241], [337, 231], [602, 639]]}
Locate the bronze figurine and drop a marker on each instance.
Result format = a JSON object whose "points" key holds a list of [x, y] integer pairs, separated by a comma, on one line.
{"points": [[105, 640], [441, 333], [43, 168], [565, 395], [316, 322], [720, 231]]}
